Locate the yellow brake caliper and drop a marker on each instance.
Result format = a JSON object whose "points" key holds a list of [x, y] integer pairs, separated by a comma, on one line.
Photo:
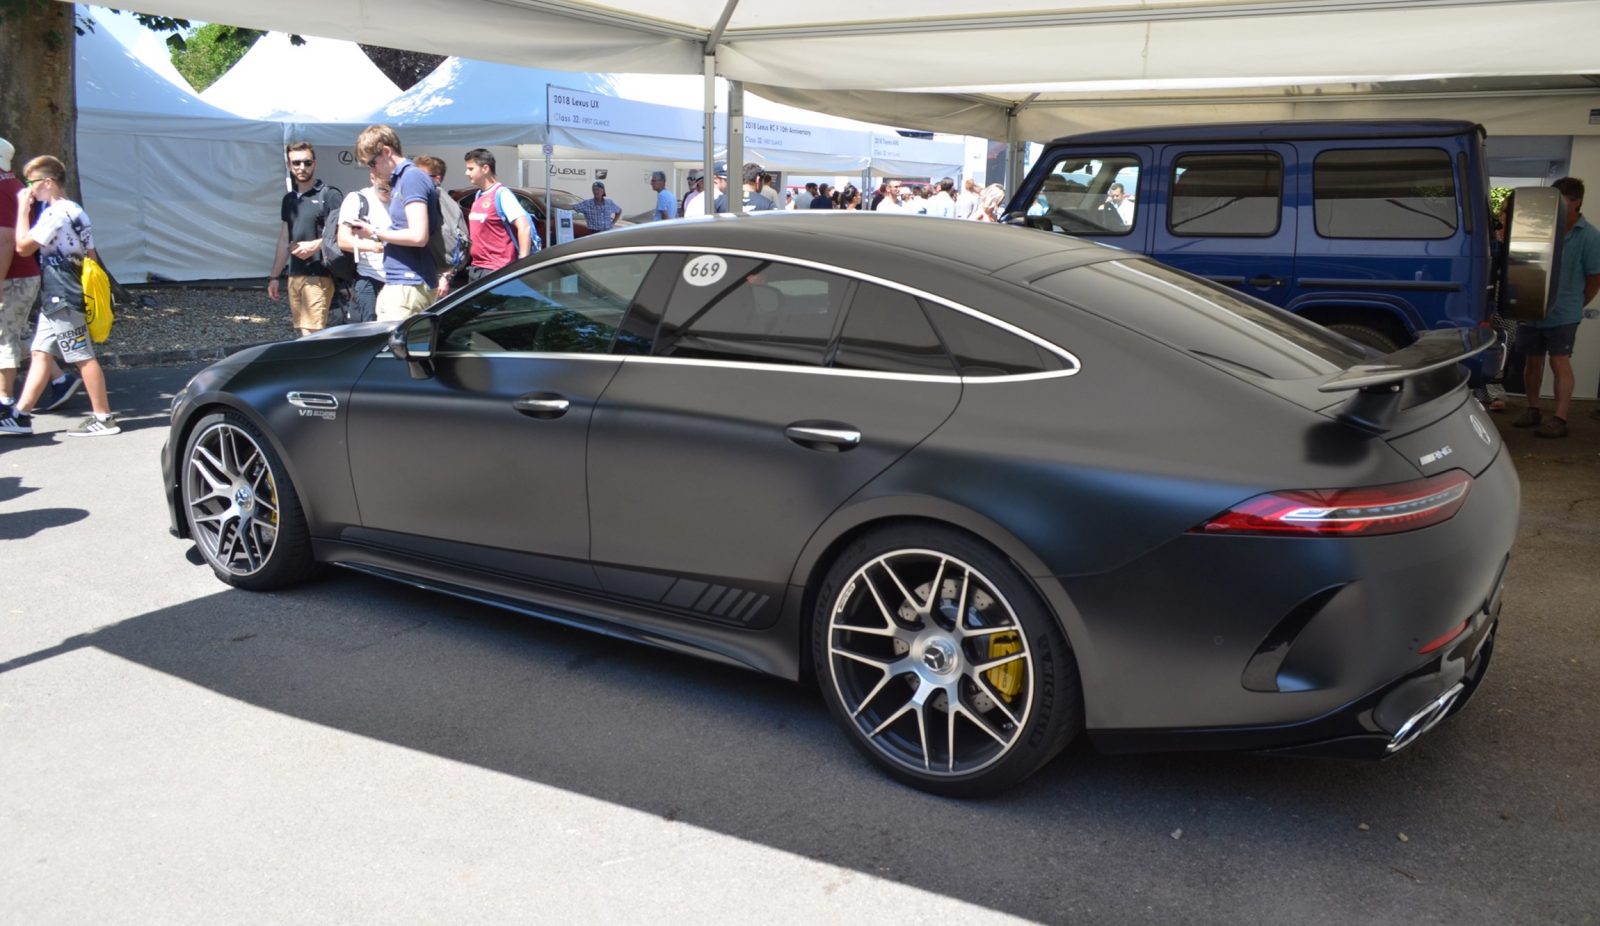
{"points": [[1006, 679]]}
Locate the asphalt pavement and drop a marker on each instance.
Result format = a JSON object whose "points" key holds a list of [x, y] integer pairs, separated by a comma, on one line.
{"points": [[352, 751]]}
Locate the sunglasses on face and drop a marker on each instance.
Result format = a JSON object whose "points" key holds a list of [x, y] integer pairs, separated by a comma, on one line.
{"points": [[38, 181], [305, 163]]}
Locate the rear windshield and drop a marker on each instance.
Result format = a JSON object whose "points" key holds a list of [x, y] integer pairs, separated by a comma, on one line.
{"points": [[1207, 320]]}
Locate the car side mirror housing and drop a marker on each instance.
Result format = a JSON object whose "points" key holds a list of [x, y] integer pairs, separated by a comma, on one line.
{"points": [[413, 341]]}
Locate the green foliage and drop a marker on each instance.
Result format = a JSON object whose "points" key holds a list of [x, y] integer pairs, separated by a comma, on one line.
{"points": [[208, 52], [1497, 195]]}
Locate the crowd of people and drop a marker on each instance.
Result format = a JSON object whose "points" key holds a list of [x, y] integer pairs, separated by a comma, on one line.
{"points": [[390, 249], [981, 204]]}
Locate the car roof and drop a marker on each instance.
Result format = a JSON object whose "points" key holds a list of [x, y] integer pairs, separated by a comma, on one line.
{"points": [[870, 242], [1287, 131]]}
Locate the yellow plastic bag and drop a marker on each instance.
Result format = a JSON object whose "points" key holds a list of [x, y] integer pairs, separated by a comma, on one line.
{"points": [[97, 300]]}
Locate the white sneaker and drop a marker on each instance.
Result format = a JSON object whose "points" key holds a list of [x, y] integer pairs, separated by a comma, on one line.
{"points": [[94, 427], [15, 423]]}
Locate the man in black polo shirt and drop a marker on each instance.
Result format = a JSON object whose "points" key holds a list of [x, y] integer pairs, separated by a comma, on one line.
{"points": [[306, 210]]}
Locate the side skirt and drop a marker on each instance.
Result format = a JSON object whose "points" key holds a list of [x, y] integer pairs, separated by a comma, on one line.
{"points": [[770, 651]]}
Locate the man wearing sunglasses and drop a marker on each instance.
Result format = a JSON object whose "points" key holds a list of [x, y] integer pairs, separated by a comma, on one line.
{"points": [[306, 210]]}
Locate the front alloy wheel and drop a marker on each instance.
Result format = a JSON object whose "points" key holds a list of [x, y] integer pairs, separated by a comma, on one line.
{"points": [[938, 673], [243, 516]]}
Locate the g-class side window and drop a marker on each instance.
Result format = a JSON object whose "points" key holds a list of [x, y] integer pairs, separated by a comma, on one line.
{"points": [[1236, 193], [1084, 195], [1384, 193]]}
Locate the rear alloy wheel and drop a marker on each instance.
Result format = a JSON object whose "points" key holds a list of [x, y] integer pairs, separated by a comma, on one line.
{"points": [[243, 512], [939, 660]]}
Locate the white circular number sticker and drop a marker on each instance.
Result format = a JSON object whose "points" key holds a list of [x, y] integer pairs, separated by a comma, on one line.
{"points": [[704, 270]]}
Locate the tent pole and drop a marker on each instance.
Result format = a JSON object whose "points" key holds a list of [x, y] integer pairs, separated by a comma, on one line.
{"points": [[708, 187], [735, 142]]}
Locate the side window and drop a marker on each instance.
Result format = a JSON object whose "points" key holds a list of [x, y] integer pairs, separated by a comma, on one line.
{"points": [[1084, 195], [1384, 193], [886, 331], [1229, 194], [751, 310], [982, 349], [574, 307]]}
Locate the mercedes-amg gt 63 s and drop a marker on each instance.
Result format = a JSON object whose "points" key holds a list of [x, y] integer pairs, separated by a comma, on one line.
{"points": [[989, 488]]}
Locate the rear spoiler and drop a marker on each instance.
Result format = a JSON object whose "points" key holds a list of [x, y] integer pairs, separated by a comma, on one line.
{"points": [[1378, 385]]}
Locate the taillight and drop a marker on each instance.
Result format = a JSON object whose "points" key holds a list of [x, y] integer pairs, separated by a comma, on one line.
{"points": [[1366, 512]]}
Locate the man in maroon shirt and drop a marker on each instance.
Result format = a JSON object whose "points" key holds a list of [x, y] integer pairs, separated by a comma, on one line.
{"points": [[500, 228]]}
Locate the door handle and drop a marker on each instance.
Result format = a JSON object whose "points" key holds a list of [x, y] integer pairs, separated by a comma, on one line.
{"points": [[1265, 281], [541, 405], [828, 436]]}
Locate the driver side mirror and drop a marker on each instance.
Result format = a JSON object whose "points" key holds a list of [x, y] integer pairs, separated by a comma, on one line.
{"points": [[413, 341]]}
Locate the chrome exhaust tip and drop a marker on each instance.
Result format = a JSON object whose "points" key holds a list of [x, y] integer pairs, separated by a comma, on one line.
{"points": [[1424, 719]]}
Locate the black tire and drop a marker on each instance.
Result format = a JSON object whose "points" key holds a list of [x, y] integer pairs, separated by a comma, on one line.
{"points": [[242, 509], [892, 693], [1371, 337]]}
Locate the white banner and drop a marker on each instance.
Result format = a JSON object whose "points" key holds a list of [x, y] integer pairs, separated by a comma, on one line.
{"points": [[585, 111]]}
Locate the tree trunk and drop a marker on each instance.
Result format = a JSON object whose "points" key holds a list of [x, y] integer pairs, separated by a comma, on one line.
{"points": [[38, 92]]}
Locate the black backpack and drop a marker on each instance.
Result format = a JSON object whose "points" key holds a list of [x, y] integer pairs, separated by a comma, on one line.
{"points": [[341, 264]]}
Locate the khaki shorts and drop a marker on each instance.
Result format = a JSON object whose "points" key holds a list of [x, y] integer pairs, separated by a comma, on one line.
{"points": [[15, 304], [396, 300], [308, 301]]}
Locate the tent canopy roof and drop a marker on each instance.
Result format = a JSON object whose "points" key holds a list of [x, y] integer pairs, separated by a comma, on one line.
{"points": [[963, 65]]}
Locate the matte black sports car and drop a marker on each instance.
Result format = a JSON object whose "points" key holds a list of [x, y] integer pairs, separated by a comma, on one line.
{"points": [[989, 487]]}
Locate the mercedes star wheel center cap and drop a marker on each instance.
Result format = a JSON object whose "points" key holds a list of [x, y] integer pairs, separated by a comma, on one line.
{"points": [[940, 656]]}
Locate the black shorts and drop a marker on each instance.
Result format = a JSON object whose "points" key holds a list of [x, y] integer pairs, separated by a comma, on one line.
{"points": [[1534, 341]]}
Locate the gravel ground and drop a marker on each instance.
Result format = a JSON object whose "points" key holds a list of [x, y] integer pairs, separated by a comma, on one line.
{"points": [[180, 324]]}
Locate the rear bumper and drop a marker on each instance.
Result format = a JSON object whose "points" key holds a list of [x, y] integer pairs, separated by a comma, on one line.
{"points": [[1376, 726]]}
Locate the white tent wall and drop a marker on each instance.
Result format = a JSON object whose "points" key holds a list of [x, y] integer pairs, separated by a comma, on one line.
{"points": [[322, 80], [174, 187]]}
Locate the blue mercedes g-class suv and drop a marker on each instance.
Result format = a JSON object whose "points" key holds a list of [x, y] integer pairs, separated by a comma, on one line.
{"points": [[1378, 230]]}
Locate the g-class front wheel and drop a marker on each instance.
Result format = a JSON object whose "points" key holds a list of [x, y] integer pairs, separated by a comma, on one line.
{"points": [[942, 664]]}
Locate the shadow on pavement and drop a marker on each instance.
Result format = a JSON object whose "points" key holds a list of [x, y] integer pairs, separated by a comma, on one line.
{"points": [[760, 759]]}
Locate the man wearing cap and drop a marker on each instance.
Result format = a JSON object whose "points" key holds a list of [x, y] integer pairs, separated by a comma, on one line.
{"points": [[695, 202], [666, 208], [753, 200], [599, 213]]}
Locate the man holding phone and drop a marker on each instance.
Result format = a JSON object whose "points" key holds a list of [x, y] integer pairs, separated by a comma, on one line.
{"points": [[306, 209], [409, 272]]}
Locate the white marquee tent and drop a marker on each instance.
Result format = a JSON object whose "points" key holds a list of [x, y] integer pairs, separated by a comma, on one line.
{"points": [[281, 81], [161, 170], [1029, 68]]}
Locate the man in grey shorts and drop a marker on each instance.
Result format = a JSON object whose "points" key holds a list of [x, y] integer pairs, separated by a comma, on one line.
{"points": [[61, 237], [1578, 282]]}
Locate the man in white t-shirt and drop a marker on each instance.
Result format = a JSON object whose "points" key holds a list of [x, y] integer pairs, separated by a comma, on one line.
{"points": [[62, 237], [695, 202], [371, 205], [941, 203]]}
